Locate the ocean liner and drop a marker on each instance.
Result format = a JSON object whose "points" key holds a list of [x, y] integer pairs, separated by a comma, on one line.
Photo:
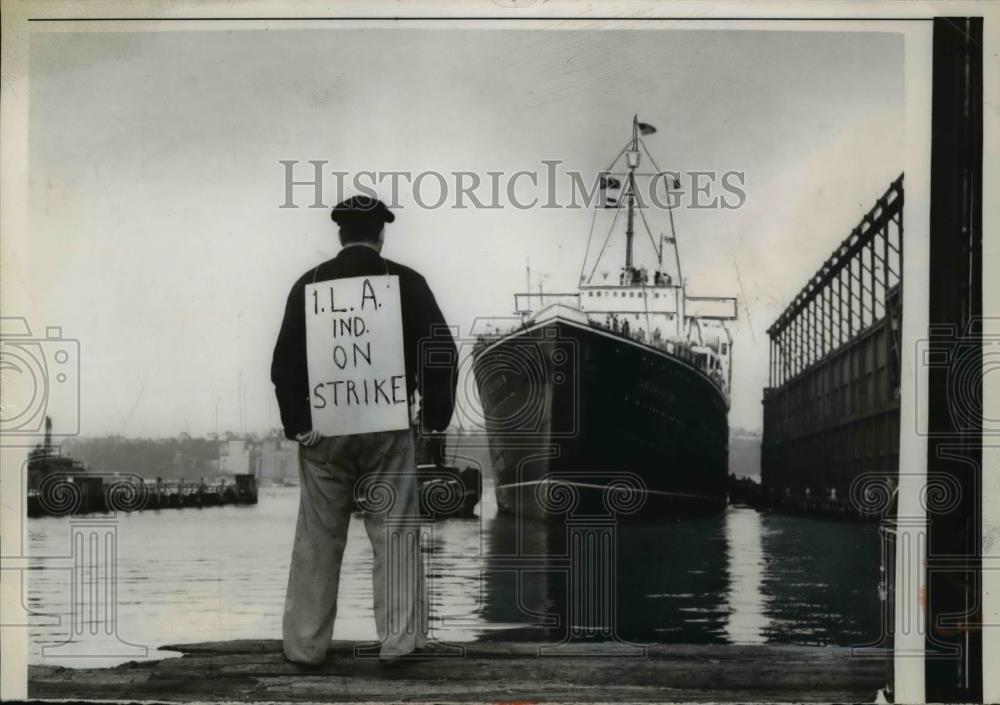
{"points": [[612, 399]]}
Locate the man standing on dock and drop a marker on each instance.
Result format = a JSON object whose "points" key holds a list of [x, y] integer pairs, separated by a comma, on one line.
{"points": [[333, 467]]}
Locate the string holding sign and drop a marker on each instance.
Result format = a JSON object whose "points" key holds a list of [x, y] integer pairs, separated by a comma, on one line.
{"points": [[354, 353]]}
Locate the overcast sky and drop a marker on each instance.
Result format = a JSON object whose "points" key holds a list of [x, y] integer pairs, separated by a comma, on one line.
{"points": [[156, 234]]}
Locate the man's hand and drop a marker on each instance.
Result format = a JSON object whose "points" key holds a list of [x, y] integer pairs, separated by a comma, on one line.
{"points": [[308, 438]]}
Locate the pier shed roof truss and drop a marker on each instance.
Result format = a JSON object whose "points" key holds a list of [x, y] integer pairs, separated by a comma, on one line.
{"points": [[855, 288]]}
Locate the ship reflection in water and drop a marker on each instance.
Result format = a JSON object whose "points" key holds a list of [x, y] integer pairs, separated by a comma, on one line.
{"points": [[739, 577], [736, 577]]}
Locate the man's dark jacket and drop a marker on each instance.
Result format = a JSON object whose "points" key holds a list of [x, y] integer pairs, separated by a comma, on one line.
{"points": [[424, 335]]}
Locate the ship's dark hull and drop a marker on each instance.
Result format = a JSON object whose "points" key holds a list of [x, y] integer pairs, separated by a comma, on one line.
{"points": [[583, 422]]}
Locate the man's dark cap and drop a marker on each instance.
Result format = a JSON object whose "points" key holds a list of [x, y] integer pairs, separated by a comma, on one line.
{"points": [[361, 208]]}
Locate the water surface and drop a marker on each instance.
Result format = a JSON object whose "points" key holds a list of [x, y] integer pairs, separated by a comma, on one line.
{"points": [[219, 573]]}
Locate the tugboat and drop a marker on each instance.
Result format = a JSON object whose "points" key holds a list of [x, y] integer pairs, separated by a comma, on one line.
{"points": [[446, 491], [613, 398]]}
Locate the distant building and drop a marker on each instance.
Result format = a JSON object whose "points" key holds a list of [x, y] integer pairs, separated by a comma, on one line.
{"points": [[235, 458], [278, 461]]}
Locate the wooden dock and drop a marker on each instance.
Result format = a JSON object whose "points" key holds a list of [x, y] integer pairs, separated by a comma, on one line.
{"points": [[84, 492], [481, 672]]}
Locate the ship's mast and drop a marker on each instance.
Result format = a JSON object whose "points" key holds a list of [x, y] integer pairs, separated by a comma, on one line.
{"points": [[632, 157]]}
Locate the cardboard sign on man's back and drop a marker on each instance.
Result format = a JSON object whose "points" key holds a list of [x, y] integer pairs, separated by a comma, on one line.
{"points": [[354, 349]]}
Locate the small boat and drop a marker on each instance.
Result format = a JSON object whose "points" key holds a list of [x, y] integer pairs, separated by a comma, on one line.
{"points": [[445, 490]]}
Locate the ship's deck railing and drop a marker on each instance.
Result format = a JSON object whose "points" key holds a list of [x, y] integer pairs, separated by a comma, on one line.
{"points": [[679, 349]]}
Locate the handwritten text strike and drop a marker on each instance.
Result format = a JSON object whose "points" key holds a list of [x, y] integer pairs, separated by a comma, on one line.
{"points": [[354, 348]]}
